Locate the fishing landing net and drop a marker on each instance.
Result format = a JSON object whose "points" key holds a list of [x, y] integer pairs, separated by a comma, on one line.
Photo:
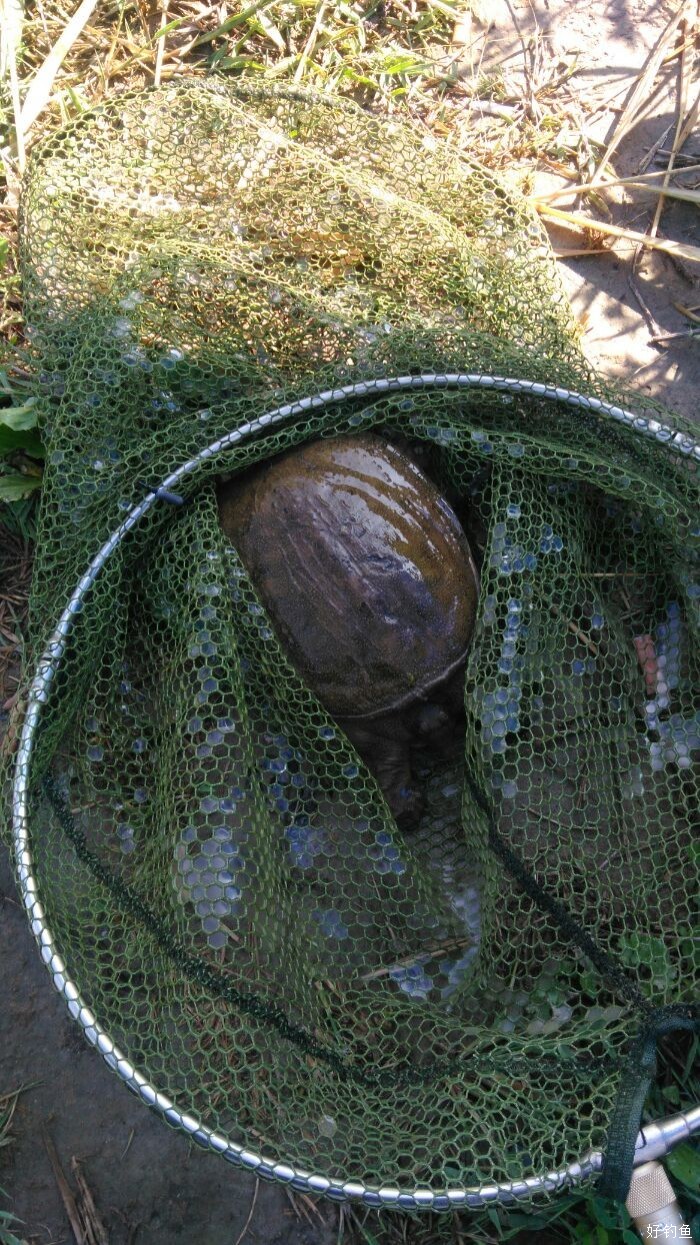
{"points": [[215, 274]]}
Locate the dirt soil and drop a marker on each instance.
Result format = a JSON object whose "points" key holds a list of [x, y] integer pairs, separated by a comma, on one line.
{"points": [[150, 1186], [620, 306]]}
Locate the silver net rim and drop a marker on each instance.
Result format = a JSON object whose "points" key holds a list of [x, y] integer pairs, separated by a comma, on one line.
{"points": [[652, 1142]]}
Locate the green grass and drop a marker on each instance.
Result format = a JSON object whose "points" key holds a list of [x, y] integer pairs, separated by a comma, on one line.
{"points": [[21, 450], [424, 57], [8, 1221]]}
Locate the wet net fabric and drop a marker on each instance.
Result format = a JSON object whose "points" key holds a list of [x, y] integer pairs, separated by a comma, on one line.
{"points": [[219, 869]]}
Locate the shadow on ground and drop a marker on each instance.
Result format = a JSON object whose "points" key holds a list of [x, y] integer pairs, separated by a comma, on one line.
{"points": [[151, 1186]]}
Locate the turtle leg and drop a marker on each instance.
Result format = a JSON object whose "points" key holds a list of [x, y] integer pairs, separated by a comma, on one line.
{"points": [[384, 745]]}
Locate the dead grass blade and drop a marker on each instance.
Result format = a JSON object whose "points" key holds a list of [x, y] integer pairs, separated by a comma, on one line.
{"points": [[667, 337], [85, 1221], [310, 43], [160, 50], [251, 1212], [450, 944], [11, 22], [272, 32], [571, 626], [69, 1202], [449, 10], [39, 92], [95, 1231], [686, 72], [640, 180], [236, 19], [680, 249], [109, 61], [578, 251], [688, 127], [674, 192], [643, 89], [655, 149], [670, 192], [8, 1106], [688, 312]]}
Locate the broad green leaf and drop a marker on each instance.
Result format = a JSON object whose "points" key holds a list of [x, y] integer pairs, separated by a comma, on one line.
{"points": [[402, 64], [19, 418], [605, 1212], [30, 442], [531, 1223], [684, 1164], [12, 488], [236, 62]]}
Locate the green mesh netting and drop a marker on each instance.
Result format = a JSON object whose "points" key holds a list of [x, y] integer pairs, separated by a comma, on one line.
{"points": [[449, 1007]]}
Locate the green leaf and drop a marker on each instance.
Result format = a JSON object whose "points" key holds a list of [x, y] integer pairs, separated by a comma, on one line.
{"points": [[402, 64], [684, 1163], [533, 1223], [235, 62], [12, 488], [19, 418], [360, 79], [643, 950], [605, 1212], [4, 251], [597, 1235], [7, 1221], [20, 518], [30, 442], [368, 1236]]}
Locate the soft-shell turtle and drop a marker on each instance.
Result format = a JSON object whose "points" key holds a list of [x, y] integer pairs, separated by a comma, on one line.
{"points": [[370, 584]]}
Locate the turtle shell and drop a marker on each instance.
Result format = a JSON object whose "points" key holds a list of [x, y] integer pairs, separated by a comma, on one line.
{"points": [[362, 566]]}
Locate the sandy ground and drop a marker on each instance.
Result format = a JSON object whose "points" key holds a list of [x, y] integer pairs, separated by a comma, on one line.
{"points": [[611, 41], [151, 1187], [619, 309]]}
